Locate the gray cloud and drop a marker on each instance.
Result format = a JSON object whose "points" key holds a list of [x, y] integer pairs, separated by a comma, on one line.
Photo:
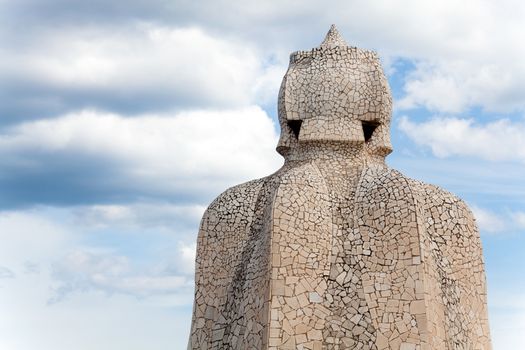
{"points": [[36, 178], [76, 179], [143, 68], [58, 12], [26, 99]]}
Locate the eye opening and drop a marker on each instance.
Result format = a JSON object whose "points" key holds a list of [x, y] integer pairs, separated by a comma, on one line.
{"points": [[295, 126], [368, 128]]}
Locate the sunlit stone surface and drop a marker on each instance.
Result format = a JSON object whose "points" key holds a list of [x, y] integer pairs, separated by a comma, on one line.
{"points": [[336, 250]]}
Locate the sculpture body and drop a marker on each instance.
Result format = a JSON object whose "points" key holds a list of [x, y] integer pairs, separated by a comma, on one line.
{"points": [[336, 250]]}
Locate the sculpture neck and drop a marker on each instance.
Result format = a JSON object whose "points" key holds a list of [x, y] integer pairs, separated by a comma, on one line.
{"points": [[340, 154]]}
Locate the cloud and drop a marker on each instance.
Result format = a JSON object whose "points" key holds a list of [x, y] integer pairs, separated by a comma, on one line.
{"points": [[6, 273], [464, 53], [519, 218], [89, 321], [501, 140], [437, 87], [507, 319], [135, 116], [454, 86], [102, 285], [84, 271], [31, 267], [490, 221], [187, 258], [95, 157], [76, 259], [507, 330], [140, 215], [156, 56], [28, 235], [142, 68]]}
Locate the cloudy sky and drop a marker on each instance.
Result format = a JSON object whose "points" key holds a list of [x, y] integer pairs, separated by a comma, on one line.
{"points": [[120, 122]]}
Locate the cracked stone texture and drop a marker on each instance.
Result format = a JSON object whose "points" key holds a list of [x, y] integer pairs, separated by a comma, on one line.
{"points": [[336, 250]]}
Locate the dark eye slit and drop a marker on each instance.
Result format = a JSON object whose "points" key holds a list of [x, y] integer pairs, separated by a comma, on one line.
{"points": [[369, 128], [295, 126]]}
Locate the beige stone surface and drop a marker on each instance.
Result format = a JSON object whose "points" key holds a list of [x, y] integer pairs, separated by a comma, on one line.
{"points": [[336, 250]]}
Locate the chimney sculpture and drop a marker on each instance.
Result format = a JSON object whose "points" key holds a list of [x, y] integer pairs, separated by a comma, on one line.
{"points": [[336, 250]]}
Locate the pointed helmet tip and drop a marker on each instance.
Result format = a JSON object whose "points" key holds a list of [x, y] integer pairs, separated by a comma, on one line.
{"points": [[333, 38]]}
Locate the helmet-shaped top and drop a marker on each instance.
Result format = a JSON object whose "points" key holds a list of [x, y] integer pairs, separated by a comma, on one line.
{"points": [[335, 93]]}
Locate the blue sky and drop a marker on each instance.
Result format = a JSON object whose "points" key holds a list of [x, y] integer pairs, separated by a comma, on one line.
{"points": [[120, 122]]}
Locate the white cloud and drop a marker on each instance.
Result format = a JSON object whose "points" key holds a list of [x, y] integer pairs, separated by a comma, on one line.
{"points": [[34, 243], [29, 236], [465, 53], [455, 85], [519, 219], [198, 151], [488, 221], [501, 140], [187, 258], [139, 215], [84, 271], [493, 222], [189, 143]]}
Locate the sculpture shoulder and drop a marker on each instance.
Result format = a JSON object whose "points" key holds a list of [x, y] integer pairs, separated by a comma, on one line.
{"points": [[441, 204], [448, 219], [232, 210], [241, 199], [389, 182], [237, 198]]}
